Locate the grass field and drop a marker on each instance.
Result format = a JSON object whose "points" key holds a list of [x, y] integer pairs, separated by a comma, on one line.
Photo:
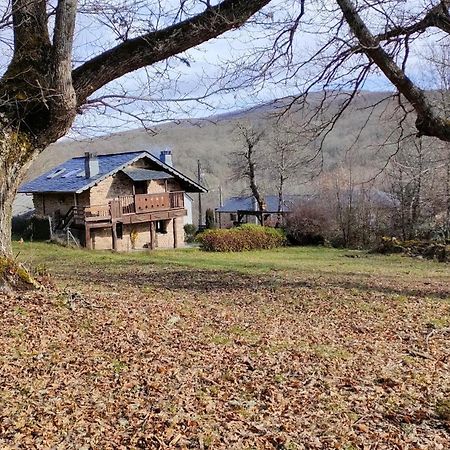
{"points": [[298, 348]]}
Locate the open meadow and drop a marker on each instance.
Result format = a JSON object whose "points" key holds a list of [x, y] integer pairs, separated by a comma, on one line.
{"points": [[296, 348]]}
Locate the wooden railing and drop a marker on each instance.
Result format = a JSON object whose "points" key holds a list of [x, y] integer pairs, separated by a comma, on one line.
{"points": [[176, 200], [97, 211], [152, 202], [130, 204]]}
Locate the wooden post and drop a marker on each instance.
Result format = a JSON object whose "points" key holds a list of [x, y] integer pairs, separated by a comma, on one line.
{"points": [[175, 236], [88, 237], [50, 227], [114, 235], [152, 236]]}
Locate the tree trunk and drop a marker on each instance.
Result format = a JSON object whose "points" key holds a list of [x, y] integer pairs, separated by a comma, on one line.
{"points": [[253, 186], [6, 200], [16, 154], [280, 201]]}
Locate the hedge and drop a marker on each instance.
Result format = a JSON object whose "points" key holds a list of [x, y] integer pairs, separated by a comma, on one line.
{"points": [[245, 237]]}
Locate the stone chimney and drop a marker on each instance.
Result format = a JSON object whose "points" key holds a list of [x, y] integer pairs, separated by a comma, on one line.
{"points": [[91, 165], [166, 157]]}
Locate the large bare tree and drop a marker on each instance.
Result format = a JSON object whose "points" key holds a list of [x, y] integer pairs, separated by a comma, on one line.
{"points": [[43, 88]]}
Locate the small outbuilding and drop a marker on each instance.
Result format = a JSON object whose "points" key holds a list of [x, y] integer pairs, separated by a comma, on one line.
{"points": [[244, 209]]}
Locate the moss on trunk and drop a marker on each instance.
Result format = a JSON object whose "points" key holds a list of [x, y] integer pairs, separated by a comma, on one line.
{"points": [[14, 276]]}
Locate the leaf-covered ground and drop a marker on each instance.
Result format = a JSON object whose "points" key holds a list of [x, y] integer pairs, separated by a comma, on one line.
{"points": [[132, 352]]}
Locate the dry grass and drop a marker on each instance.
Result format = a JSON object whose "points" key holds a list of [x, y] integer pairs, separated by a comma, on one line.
{"points": [[131, 351]]}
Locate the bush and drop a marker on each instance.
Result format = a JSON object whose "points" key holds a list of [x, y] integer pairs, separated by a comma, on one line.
{"points": [[189, 232], [420, 248], [245, 237], [31, 227], [22, 226], [210, 220], [307, 225]]}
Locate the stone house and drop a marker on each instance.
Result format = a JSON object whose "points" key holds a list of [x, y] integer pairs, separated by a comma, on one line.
{"points": [[120, 201]]}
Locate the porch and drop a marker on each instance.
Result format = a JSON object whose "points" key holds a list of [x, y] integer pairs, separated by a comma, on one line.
{"points": [[128, 209]]}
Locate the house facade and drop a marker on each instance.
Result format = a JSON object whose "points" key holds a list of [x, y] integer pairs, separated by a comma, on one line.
{"points": [[121, 201]]}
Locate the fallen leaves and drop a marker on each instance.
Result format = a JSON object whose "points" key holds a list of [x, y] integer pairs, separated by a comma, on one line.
{"points": [[272, 365]]}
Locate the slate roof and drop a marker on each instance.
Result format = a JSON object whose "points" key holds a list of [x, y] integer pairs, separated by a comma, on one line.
{"points": [[247, 203], [69, 177], [137, 174]]}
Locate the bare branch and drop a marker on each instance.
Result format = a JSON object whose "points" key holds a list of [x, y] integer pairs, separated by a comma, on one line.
{"points": [[160, 45]]}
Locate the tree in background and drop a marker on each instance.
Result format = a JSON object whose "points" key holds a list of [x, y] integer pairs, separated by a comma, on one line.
{"points": [[285, 157], [249, 162], [407, 172]]}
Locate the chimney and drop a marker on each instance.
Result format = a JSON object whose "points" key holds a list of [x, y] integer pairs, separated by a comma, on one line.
{"points": [[166, 157], [91, 165]]}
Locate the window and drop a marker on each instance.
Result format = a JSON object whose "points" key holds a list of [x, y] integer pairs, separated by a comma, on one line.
{"points": [[56, 173], [140, 187], [161, 226], [119, 230], [72, 172], [233, 217]]}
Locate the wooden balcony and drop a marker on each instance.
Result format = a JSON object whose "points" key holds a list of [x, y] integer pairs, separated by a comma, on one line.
{"points": [[133, 209]]}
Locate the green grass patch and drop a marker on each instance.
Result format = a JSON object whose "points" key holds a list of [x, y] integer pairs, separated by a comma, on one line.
{"points": [[305, 261]]}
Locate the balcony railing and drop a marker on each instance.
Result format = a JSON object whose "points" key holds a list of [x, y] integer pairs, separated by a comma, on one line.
{"points": [[130, 204]]}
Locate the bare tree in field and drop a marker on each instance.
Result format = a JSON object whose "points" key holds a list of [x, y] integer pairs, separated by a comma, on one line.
{"points": [[44, 86], [286, 158], [248, 162]]}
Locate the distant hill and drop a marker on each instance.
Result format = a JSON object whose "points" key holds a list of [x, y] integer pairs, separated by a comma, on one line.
{"points": [[211, 140]]}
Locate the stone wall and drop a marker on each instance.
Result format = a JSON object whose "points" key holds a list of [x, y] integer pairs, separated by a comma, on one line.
{"points": [[111, 187], [179, 227], [49, 204], [165, 240], [156, 187], [142, 239], [101, 238]]}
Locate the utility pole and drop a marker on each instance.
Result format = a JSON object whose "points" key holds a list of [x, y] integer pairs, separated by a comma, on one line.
{"points": [[219, 218], [199, 180]]}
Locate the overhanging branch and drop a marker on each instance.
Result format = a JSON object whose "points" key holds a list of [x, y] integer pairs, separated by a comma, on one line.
{"points": [[427, 123], [156, 46]]}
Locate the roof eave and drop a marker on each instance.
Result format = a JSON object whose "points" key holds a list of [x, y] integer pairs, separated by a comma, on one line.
{"points": [[199, 187]]}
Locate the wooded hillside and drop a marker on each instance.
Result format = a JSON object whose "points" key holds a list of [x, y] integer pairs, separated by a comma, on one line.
{"points": [[212, 140]]}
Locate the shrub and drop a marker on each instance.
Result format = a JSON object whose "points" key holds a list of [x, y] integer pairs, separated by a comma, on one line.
{"points": [[22, 226], [423, 249], [189, 232], [245, 237], [210, 220], [307, 225]]}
